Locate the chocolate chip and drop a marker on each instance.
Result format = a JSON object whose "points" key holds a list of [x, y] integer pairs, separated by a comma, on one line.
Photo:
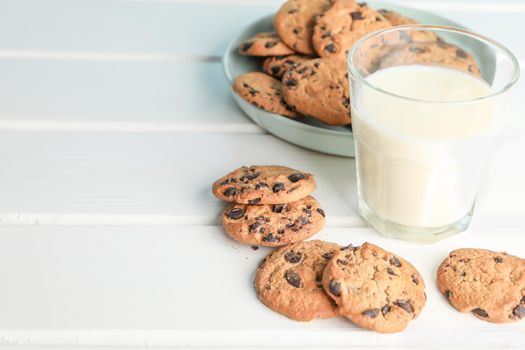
{"points": [[270, 238], [249, 177], [296, 177], [330, 48], [448, 294], [253, 227], [390, 271], [519, 311], [302, 70], [415, 279], [335, 288], [341, 262], [326, 34], [246, 46], [279, 186], [230, 191], [228, 181], [293, 279], [304, 220], [292, 189], [320, 211], [277, 208], [498, 259], [348, 247], [235, 213], [357, 15], [292, 11], [252, 91], [405, 305], [254, 247], [386, 309], [372, 313], [328, 256], [416, 49], [260, 185], [260, 218], [395, 262], [292, 257], [287, 106], [254, 201], [297, 30], [270, 44], [262, 229], [461, 53], [480, 312], [346, 102], [316, 65], [275, 70], [290, 83]]}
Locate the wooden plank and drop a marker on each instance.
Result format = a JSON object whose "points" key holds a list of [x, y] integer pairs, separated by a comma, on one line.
{"points": [[188, 28], [126, 96], [94, 178], [138, 286]]}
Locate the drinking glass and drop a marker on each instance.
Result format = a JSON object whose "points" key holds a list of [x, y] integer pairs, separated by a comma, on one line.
{"points": [[428, 106]]}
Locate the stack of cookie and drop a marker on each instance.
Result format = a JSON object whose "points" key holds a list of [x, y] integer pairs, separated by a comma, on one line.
{"points": [[305, 71], [273, 205]]}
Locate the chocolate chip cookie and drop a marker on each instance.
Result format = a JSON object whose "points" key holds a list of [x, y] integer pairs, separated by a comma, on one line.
{"points": [[438, 53], [374, 288], [274, 224], [289, 281], [263, 91], [278, 65], [489, 284], [342, 25], [294, 21], [319, 88], [264, 44], [272, 184]]}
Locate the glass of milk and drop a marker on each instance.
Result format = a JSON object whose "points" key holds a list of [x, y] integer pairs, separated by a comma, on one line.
{"points": [[428, 104]]}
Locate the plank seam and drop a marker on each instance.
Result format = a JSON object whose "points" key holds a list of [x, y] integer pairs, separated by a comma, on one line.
{"points": [[118, 57], [108, 56], [130, 127], [428, 5], [86, 219]]}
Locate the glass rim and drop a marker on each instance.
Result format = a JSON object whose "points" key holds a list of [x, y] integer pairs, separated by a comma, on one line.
{"points": [[479, 37]]}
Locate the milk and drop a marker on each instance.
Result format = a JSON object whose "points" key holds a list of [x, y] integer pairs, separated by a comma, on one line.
{"points": [[420, 163]]}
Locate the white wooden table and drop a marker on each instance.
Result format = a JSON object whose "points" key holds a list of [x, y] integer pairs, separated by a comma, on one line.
{"points": [[115, 118]]}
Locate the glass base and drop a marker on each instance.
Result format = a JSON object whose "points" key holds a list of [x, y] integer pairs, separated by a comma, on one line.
{"points": [[413, 233]]}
